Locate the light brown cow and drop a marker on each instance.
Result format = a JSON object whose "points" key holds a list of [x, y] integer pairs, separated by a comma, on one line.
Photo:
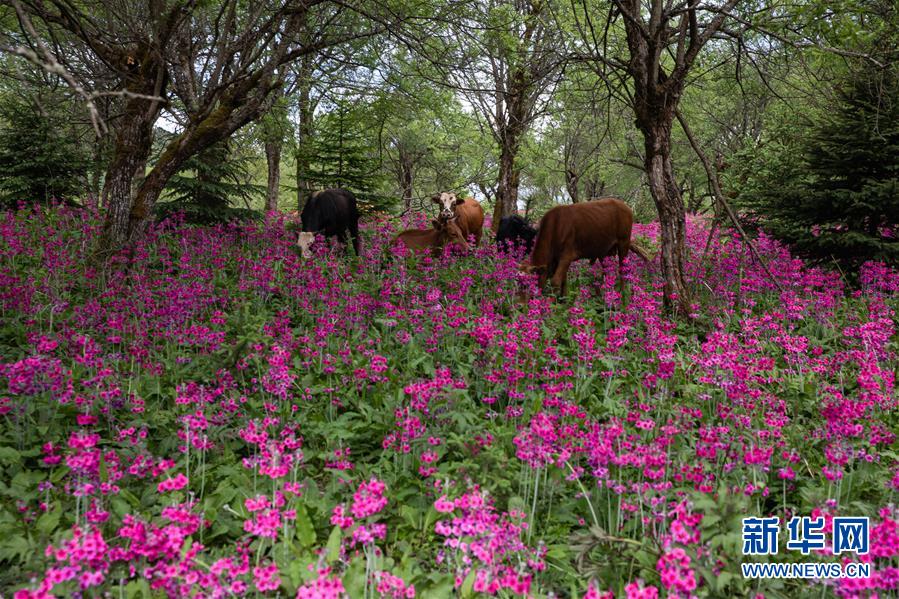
{"points": [[468, 211], [434, 239], [591, 230]]}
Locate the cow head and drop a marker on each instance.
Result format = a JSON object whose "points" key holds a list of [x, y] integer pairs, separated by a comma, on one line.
{"points": [[447, 201], [526, 268], [450, 232], [304, 242], [531, 269]]}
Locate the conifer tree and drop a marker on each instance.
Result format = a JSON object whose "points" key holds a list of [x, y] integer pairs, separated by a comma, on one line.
{"points": [[39, 159], [833, 192], [853, 162], [213, 185], [344, 154]]}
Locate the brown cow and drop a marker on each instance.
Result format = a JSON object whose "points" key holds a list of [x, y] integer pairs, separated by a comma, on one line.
{"points": [[591, 230], [443, 232], [468, 211]]}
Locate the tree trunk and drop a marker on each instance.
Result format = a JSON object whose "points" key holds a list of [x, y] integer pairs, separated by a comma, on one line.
{"points": [[406, 178], [94, 193], [571, 181], [134, 141], [273, 159], [670, 206], [507, 188], [487, 192], [214, 128], [139, 216], [593, 188], [133, 144], [304, 139]]}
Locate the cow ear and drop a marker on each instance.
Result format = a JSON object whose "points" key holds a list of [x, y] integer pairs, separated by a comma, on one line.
{"points": [[435, 198], [459, 201]]}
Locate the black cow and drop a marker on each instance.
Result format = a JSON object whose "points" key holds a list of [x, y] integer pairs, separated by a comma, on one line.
{"points": [[332, 213], [516, 230]]}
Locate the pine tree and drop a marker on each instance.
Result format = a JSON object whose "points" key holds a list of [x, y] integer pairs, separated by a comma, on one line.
{"points": [[344, 154], [211, 183], [853, 161], [833, 191], [39, 161]]}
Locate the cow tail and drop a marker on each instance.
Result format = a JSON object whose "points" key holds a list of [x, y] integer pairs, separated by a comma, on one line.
{"points": [[640, 251]]}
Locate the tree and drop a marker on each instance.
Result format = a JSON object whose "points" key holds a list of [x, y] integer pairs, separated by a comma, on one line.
{"points": [[662, 44], [209, 183], [344, 154], [428, 142], [274, 129], [315, 78], [213, 67], [304, 109], [39, 157], [662, 40], [578, 135], [831, 189], [406, 150], [514, 62]]}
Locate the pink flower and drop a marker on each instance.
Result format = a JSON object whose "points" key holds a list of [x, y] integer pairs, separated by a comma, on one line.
{"points": [[266, 578], [369, 499], [593, 592], [444, 506], [636, 590], [172, 484], [323, 587]]}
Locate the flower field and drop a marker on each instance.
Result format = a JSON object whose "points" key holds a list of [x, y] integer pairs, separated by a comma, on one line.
{"points": [[215, 417]]}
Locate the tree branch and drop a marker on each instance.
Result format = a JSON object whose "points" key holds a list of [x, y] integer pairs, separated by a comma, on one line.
{"points": [[719, 196]]}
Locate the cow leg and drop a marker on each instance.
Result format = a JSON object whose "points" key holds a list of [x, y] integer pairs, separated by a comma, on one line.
{"points": [[343, 237], [546, 273], [560, 276], [541, 279], [354, 233]]}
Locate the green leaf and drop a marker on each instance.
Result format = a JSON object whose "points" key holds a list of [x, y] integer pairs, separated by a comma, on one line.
{"points": [[15, 547], [305, 530], [723, 580], [411, 516], [440, 589], [467, 588], [58, 474], [138, 588], [8, 455], [49, 521], [354, 578], [430, 519], [333, 546], [120, 507], [710, 520]]}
